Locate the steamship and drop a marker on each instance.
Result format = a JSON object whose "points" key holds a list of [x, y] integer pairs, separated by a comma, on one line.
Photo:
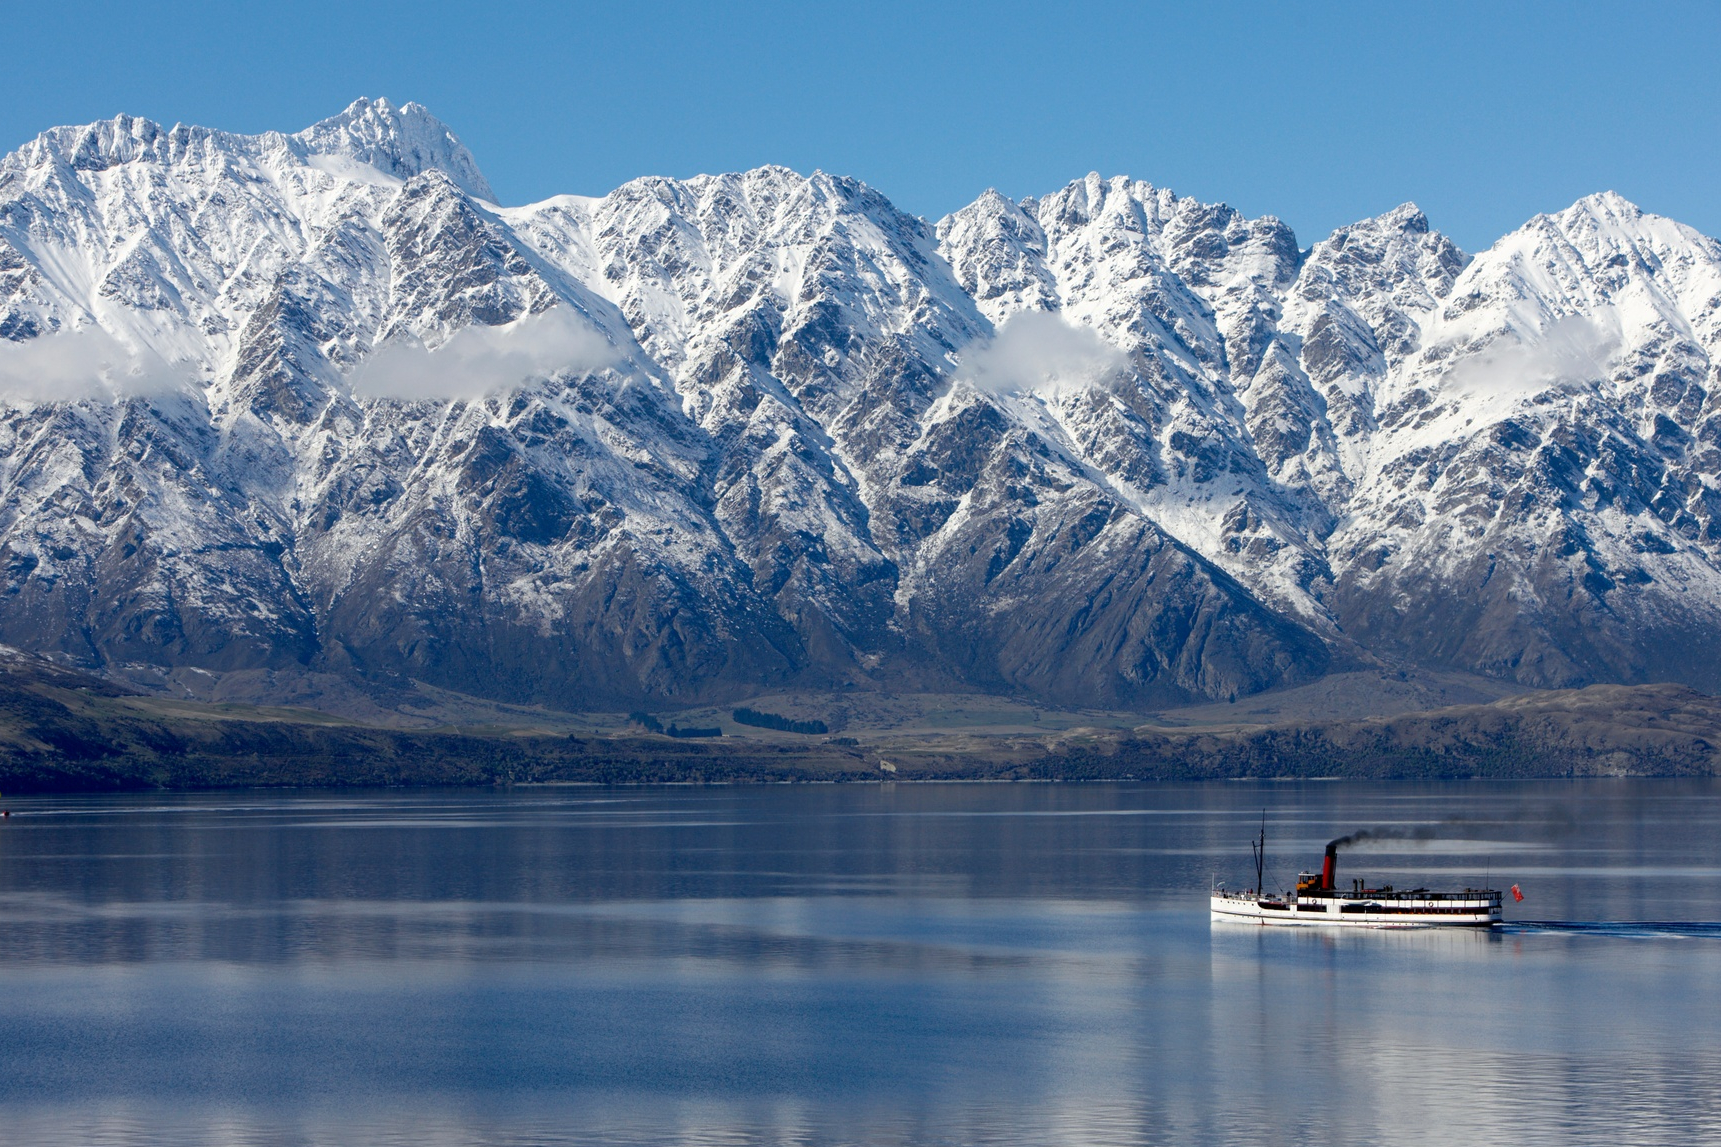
{"points": [[1318, 902]]}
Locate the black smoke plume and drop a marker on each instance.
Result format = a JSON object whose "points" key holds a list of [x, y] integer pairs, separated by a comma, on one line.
{"points": [[1413, 832]]}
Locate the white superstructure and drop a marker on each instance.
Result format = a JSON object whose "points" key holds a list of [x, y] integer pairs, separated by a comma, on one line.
{"points": [[1369, 908]]}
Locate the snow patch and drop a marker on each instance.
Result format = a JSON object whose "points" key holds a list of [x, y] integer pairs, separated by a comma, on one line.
{"points": [[353, 171]]}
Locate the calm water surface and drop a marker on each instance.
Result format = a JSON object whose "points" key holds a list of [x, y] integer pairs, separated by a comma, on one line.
{"points": [[908, 964]]}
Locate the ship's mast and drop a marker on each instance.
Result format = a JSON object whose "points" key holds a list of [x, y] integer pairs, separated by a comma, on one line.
{"points": [[1259, 848]]}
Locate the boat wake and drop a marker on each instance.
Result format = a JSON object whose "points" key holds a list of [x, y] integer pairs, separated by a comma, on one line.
{"points": [[1627, 929]]}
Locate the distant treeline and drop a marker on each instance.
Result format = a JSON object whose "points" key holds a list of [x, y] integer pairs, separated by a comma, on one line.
{"points": [[772, 721], [652, 724]]}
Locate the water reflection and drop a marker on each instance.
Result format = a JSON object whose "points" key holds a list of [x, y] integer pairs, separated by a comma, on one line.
{"points": [[880, 965]]}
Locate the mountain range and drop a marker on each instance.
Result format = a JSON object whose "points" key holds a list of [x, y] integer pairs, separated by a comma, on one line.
{"points": [[289, 413]]}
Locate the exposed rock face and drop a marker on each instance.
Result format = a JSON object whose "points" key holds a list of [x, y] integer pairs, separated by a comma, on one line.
{"points": [[789, 434]]}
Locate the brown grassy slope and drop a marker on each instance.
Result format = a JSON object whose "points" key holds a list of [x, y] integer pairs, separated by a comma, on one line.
{"points": [[61, 730], [65, 731], [1604, 730]]}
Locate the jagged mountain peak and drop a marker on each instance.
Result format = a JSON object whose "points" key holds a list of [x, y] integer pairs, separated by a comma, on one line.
{"points": [[1095, 197], [1607, 204], [398, 142], [403, 142], [998, 250], [107, 143], [1608, 221], [1122, 200], [1603, 260], [808, 442], [1397, 253], [764, 192], [752, 257], [1407, 216]]}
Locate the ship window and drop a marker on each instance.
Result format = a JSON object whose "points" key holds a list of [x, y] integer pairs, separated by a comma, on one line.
{"points": [[1270, 904], [1311, 907]]}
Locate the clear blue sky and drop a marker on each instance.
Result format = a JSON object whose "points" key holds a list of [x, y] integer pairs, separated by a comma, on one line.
{"points": [[1482, 113]]}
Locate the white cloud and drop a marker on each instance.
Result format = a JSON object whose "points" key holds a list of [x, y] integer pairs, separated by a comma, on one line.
{"points": [[1038, 350], [482, 360], [1572, 349], [73, 366]]}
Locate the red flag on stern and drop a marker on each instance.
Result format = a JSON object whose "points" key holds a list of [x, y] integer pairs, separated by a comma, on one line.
{"points": [[1516, 895]]}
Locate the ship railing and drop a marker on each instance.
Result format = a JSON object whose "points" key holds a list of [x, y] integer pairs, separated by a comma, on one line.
{"points": [[1411, 894]]}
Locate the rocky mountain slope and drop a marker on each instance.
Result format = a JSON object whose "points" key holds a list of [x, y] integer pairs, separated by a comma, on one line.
{"points": [[316, 406]]}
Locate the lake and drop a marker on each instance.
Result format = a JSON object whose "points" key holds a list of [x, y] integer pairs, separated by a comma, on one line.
{"points": [[860, 964]]}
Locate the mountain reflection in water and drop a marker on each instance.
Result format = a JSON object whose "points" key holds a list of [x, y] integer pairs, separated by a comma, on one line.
{"points": [[849, 964]]}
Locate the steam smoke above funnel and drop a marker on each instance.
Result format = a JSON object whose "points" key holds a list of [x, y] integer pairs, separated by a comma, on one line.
{"points": [[1364, 835]]}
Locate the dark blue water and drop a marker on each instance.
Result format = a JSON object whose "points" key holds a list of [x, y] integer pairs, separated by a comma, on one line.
{"points": [[962, 964]]}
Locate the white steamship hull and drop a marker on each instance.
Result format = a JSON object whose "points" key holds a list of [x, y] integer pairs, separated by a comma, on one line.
{"points": [[1400, 910]]}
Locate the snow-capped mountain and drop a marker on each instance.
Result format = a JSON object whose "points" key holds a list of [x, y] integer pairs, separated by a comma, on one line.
{"points": [[317, 404]]}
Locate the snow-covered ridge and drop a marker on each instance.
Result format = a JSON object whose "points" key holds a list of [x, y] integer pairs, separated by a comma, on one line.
{"points": [[398, 142], [402, 142], [316, 404]]}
